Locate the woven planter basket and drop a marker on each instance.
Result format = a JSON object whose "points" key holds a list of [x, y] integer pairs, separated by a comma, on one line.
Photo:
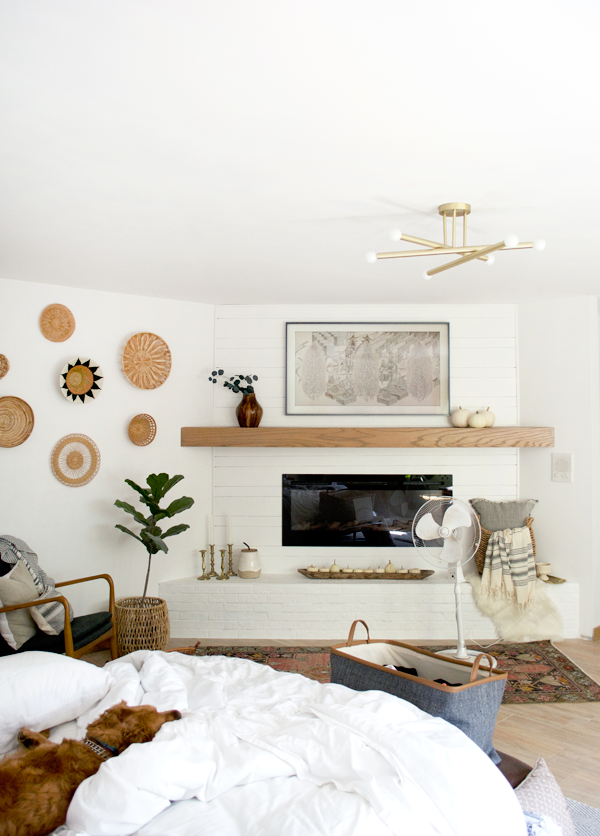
{"points": [[485, 536], [142, 624]]}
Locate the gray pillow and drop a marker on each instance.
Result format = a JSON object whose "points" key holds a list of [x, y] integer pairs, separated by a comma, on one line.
{"points": [[497, 516]]}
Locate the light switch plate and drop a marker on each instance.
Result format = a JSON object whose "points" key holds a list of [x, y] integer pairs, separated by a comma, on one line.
{"points": [[562, 467]]}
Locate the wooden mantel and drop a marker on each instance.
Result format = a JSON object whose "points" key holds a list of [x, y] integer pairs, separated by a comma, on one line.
{"points": [[366, 437]]}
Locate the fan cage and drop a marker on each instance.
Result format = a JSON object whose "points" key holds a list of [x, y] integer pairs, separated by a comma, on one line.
{"points": [[468, 536]]}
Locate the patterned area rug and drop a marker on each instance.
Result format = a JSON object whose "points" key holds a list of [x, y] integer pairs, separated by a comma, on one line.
{"points": [[537, 671]]}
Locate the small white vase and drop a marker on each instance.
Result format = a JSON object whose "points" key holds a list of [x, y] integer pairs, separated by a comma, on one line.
{"points": [[249, 564]]}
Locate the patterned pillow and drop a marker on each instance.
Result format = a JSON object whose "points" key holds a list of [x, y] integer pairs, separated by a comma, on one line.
{"points": [[498, 516], [17, 587], [540, 793], [50, 617]]}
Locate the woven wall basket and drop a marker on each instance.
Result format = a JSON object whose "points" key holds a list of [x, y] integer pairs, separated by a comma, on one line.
{"points": [[142, 624]]}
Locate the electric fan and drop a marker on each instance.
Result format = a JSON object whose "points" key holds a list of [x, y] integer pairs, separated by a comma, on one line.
{"points": [[446, 532]]}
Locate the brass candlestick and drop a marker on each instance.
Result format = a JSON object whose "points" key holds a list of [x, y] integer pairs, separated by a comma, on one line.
{"points": [[212, 573], [230, 571], [203, 576], [223, 576]]}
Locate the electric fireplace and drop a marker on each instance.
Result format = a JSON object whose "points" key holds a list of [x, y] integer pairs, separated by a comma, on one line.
{"points": [[355, 510]]}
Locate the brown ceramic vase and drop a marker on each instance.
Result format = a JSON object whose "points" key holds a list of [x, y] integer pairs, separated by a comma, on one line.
{"points": [[249, 411]]}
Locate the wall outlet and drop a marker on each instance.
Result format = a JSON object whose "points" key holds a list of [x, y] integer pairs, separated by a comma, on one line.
{"points": [[452, 573], [562, 467]]}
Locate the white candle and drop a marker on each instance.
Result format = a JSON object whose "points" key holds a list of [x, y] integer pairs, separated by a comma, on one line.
{"points": [[211, 530], [229, 535]]}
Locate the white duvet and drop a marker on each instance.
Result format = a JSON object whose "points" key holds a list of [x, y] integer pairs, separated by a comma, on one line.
{"points": [[263, 753]]}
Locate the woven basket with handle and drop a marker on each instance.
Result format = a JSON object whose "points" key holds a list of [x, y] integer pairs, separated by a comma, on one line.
{"points": [[142, 624], [483, 543]]}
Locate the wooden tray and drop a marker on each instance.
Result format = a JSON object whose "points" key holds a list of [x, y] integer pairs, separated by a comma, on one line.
{"points": [[368, 576], [554, 579]]}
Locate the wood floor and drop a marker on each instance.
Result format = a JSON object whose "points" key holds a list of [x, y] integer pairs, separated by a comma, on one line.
{"points": [[566, 735]]}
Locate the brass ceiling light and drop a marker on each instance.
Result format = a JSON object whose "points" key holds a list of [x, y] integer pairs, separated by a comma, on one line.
{"points": [[468, 252]]}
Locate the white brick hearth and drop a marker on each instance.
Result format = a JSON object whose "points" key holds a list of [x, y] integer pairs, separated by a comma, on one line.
{"points": [[288, 607]]}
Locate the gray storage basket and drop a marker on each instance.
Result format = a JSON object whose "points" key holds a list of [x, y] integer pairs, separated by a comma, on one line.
{"points": [[471, 706]]}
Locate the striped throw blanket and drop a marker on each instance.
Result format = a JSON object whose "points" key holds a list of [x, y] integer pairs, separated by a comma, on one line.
{"points": [[509, 568]]}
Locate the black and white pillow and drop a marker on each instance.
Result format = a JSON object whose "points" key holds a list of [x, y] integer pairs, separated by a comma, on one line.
{"points": [[49, 617]]}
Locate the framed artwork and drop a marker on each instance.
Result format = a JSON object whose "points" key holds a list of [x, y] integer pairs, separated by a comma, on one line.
{"points": [[367, 368]]}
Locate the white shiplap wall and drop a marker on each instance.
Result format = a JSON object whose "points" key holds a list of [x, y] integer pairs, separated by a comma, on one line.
{"points": [[247, 481]]}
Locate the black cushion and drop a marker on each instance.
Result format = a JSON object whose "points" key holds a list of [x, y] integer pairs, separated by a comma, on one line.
{"points": [[85, 628]]}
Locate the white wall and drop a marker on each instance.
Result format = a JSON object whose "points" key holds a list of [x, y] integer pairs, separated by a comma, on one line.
{"points": [[72, 529], [248, 481], [559, 386]]}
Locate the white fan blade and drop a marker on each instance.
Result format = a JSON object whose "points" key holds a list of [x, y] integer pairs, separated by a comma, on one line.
{"points": [[427, 528], [457, 516], [452, 551]]}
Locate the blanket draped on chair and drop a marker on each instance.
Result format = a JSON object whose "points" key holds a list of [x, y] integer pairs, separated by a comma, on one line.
{"points": [[509, 568]]}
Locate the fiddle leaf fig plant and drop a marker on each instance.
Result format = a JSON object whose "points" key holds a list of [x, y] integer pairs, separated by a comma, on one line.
{"points": [[151, 536]]}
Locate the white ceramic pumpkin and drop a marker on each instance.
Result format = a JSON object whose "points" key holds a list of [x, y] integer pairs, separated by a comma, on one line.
{"points": [[460, 417], [334, 567], [489, 416], [390, 568], [477, 421]]}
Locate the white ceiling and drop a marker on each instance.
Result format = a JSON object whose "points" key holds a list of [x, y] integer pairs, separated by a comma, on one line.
{"points": [[250, 151]]}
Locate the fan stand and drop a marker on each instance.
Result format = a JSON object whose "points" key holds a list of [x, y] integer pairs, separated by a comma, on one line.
{"points": [[460, 651]]}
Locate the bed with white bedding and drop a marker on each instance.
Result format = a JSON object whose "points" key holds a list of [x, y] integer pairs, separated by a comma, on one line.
{"points": [[263, 752]]}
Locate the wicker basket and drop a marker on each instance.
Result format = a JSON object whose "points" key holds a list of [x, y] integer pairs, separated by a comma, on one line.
{"points": [[142, 624], [485, 536]]}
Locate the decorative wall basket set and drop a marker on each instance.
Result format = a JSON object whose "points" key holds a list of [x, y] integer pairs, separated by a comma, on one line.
{"points": [[75, 459]]}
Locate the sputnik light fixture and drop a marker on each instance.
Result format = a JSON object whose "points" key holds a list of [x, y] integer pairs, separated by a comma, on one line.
{"points": [[467, 252]]}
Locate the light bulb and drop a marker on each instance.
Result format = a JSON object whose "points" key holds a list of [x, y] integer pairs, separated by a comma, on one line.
{"points": [[511, 241], [490, 260], [395, 234], [426, 276], [371, 257], [539, 245]]}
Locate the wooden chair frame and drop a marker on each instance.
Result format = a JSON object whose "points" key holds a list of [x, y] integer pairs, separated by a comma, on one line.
{"points": [[109, 636]]}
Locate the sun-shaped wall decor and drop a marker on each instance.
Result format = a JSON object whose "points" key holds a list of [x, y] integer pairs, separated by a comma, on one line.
{"points": [[146, 361], [75, 460], [81, 379]]}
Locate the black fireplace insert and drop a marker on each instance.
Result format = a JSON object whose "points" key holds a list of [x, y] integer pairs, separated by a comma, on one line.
{"points": [[355, 510]]}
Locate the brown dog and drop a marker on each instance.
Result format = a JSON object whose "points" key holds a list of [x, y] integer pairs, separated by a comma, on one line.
{"points": [[36, 787]]}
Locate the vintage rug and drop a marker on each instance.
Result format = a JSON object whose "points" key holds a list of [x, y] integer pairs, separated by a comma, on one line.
{"points": [[537, 671]]}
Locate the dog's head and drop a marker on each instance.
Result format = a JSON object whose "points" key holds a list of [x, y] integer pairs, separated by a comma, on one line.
{"points": [[122, 725]]}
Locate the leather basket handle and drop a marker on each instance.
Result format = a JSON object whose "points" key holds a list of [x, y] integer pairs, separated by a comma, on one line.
{"points": [[477, 662], [353, 628]]}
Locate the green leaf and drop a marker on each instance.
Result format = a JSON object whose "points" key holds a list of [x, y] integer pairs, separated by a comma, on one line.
{"points": [[179, 505], [129, 509], [127, 531], [157, 542], [176, 529], [170, 484], [142, 491], [157, 482]]}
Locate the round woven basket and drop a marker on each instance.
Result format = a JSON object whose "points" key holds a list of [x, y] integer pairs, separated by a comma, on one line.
{"points": [[142, 624]]}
